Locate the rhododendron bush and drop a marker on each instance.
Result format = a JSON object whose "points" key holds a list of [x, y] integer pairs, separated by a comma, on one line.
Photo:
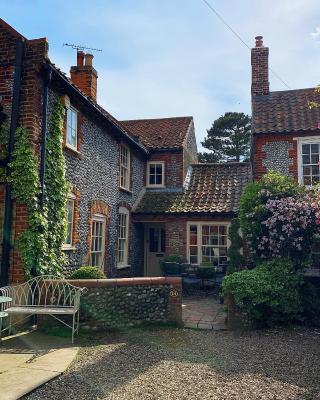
{"points": [[280, 219]]}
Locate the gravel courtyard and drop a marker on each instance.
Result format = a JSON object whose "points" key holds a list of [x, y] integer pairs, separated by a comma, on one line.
{"points": [[172, 364]]}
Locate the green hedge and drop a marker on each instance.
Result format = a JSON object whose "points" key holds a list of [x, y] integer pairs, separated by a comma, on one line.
{"points": [[88, 273], [268, 294]]}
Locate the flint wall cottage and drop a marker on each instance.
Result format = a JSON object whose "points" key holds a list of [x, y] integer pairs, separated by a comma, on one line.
{"points": [[137, 191]]}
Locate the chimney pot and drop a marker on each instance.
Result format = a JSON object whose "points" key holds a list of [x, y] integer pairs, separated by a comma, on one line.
{"points": [[259, 41], [88, 59], [80, 58]]}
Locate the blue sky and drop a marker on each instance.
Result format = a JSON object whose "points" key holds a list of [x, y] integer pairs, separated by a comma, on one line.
{"points": [[174, 57]]}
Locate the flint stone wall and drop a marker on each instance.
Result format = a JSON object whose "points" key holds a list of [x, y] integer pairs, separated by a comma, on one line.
{"points": [[125, 302]]}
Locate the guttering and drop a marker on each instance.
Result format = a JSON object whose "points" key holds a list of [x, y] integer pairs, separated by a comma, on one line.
{"points": [[7, 224], [47, 73]]}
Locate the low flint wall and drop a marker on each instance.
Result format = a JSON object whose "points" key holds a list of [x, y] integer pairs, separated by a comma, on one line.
{"points": [[131, 301]]}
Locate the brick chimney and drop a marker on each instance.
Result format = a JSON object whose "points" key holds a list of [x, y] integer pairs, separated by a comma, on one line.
{"points": [[84, 75], [260, 68]]}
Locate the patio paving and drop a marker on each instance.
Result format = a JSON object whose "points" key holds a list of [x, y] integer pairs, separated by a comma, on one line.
{"points": [[203, 313]]}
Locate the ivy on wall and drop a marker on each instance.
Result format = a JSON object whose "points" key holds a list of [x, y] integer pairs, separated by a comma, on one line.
{"points": [[56, 187], [24, 178], [40, 245]]}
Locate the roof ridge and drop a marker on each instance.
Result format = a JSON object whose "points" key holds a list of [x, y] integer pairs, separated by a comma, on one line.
{"points": [[155, 119]]}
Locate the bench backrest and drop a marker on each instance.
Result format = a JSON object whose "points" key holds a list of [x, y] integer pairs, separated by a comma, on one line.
{"points": [[45, 290]]}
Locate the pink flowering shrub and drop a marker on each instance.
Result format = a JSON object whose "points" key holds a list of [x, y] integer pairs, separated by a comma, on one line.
{"points": [[279, 219]]}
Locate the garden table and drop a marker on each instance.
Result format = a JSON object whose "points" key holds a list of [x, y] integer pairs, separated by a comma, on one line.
{"points": [[3, 314]]}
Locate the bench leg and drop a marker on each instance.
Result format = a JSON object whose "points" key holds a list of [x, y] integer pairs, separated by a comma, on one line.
{"points": [[78, 322], [73, 324], [0, 330], [10, 325]]}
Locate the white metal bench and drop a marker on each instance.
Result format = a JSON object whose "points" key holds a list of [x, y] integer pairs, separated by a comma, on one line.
{"points": [[44, 295]]}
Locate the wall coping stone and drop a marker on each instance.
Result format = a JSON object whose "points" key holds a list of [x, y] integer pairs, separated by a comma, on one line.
{"points": [[147, 281]]}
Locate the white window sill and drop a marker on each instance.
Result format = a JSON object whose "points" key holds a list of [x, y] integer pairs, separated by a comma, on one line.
{"points": [[71, 148], [68, 248], [123, 266], [155, 186]]}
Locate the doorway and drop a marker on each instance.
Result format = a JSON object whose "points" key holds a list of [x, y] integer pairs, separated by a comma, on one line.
{"points": [[155, 242]]}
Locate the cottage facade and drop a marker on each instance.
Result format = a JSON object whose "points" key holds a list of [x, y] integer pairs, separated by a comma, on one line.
{"points": [[137, 193]]}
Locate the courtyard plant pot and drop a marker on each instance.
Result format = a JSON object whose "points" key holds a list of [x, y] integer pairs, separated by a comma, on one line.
{"points": [[171, 268]]}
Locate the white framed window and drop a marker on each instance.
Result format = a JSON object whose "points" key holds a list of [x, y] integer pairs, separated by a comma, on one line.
{"points": [[70, 221], [124, 167], [309, 160], [98, 232], [155, 174], [123, 237], [72, 128], [207, 242]]}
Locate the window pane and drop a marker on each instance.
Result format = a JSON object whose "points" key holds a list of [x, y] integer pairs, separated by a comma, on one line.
{"points": [[315, 170], [159, 179], [307, 170], [315, 148], [314, 158], [306, 159], [307, 180], [305, 148]]}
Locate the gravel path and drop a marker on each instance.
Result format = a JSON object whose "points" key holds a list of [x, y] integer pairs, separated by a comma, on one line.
{"points": [[171, 364]]}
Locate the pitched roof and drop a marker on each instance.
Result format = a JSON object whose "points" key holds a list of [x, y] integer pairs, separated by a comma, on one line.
{"points": [[160, 133], [213, 188], [285, 111], [89, 101]]}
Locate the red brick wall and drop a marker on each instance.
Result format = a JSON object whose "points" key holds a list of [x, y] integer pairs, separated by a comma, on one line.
{"points": [[35, 53], [260, 70], [173, 167], [259, 154]]}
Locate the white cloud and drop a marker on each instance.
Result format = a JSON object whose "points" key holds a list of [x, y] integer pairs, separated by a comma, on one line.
{"points": [[316, 33]]}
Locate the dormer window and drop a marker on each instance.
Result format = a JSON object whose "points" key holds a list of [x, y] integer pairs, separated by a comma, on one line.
{"points": [[155, 174], [72, 128]]}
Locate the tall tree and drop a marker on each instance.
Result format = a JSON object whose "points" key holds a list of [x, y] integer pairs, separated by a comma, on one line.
{"points": [[228, 139]]}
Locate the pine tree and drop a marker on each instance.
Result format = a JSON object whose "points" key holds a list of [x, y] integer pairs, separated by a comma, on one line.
{"points": [[228, 139]]}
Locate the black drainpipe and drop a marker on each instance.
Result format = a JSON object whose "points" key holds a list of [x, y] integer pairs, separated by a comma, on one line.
{"points": [[7, 224], [47, 73]]}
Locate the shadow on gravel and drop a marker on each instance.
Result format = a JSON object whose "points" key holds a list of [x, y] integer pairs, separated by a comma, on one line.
{"points": [[114, 360]]}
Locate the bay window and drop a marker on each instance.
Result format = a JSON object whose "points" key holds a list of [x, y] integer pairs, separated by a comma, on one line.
{"points": [[207, 242]]}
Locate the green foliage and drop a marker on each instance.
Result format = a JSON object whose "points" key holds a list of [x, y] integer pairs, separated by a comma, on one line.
{"points": [[25, 188], [268, 294], [229, 137], [252, 210], [40, 244], [172, 258], [205, 271], [88, 273], [236, 259], [208, 158], [56, 188]]}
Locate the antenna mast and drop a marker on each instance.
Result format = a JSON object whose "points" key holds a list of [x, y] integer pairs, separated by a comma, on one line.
{"points": [[80, 48]]}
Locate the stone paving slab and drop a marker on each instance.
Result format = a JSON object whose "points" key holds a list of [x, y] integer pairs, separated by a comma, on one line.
{"points": [[31, 360], [203, 313]]}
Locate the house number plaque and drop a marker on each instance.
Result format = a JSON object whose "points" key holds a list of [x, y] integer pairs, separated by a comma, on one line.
{"points": [[174, 293]]}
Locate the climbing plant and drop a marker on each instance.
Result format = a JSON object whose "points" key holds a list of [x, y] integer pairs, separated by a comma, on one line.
{"points": [[40, 244], [236, 259], [56, 187], [24, 179]]}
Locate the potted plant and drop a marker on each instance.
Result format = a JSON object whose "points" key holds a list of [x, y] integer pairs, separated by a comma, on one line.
{"points": [[170, 265], [206, 271]]}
